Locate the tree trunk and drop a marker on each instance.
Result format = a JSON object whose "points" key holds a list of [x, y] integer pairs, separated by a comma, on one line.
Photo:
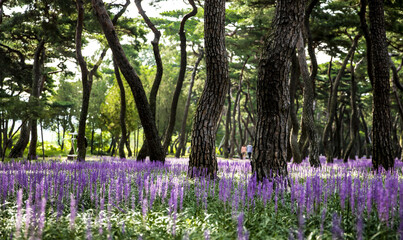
{"points": [[34, 98], [396, 83], [327, 143], [227, 135], [382, 145], [18, 149], [144, 152], [234, 142], [364, 28], [307, 110], [144, 110], [86, 78], [129, 150], [354, 121], [122, 111], [294, 79], [181, 77], [273, 96], [92, 140], [182, 135], [211, 102], [368, 141]]}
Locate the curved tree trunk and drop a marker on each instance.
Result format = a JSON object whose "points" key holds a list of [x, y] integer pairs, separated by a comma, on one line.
{"points": [[211, 102], [181, 77], [34, 98], [18, 149], [143, 153], [364, 28], [307, 111], [146, 117], [382, 145], [122, 117], [182, 135], [129, 150], [327, 143], [234, 142], [273, 96], [294, 79], [87, 76]]}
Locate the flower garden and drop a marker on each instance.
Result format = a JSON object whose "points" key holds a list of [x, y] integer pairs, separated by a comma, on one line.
{"points": [[126, 199]]}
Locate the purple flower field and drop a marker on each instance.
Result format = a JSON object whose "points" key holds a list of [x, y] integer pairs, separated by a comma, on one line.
{"points": [[126, 199]]}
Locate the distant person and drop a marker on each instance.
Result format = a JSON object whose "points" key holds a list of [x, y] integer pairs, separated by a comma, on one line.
{"points": [[243, 151], [249, 150]]}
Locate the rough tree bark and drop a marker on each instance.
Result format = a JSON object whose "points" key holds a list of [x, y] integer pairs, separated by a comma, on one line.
{"points": [[333, 103], [211, 102], [273, 96], [227, 144], [182, 135], [34, 98], [382, 153], [146, 117], [122, 116], [181, 77], [143, 153]]}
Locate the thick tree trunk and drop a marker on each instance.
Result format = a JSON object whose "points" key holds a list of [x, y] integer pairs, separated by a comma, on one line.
{"points": [[273, 96], [181, 77], [382, 145], [327, 143], [34, 98], [182, 135], [146, 117], [211, 102], [122, 111], [143, 153]]}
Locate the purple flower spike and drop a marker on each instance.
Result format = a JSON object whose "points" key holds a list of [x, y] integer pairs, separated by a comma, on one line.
{"points": [[73, 211], [19, 214]]}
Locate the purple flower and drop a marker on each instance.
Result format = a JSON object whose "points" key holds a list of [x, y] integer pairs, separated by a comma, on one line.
{"points": [[28, 216], [242, 235], [19, 214], [337, 231], [73, 211]]}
